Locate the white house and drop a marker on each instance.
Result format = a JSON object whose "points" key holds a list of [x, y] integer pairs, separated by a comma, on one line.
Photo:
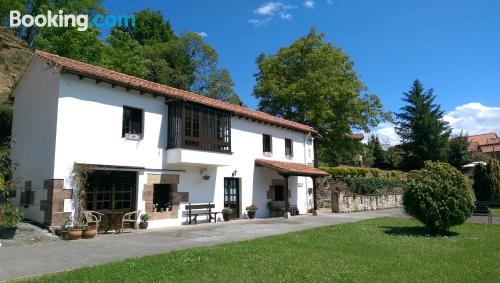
{"points": [[150, 147]]}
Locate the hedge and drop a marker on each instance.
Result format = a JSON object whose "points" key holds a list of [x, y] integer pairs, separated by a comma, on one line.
{"points": [[372, 185], [343, 171]]}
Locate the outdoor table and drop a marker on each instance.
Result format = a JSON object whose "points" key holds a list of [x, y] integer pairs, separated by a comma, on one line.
{"points": [[112, 216]]}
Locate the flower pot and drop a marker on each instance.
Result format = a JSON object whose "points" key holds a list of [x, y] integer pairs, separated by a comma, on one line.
{"points": [[143, 225], [89, 234], [226, 217], [251, 214], [74, 234]]}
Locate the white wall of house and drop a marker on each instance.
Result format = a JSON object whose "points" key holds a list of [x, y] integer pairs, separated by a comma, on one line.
{"points": [[34, 132], [87, 117]]}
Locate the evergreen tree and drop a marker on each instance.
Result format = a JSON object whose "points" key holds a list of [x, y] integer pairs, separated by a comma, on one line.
{"points": [[421, 127], [378, 152], [459, 153], [487, 180]]}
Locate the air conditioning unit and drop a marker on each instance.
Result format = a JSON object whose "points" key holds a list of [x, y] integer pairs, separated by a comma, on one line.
{"points": [[134, 137]]}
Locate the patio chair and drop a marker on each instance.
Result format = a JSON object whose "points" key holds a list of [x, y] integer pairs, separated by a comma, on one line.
{"points": [[131, 217], [93, 217]]}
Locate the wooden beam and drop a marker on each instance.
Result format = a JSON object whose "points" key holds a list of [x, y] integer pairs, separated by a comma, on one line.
{"points": [[287, 200], [97, 82], [315, 195], [80, 77], [113, 85], [141, 92]]}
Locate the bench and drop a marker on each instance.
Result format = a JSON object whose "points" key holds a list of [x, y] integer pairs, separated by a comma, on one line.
{"points": [[277, 208], [201, 209], [483, 210]]}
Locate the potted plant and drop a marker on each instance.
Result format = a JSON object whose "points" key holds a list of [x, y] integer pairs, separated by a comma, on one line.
{"points": [[251, 210], [144, 221], [74, 233], [226, 213], [89, 232]]}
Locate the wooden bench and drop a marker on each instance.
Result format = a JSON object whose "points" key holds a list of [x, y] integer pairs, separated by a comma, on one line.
{"points": [[201, 209], [483, 210]]}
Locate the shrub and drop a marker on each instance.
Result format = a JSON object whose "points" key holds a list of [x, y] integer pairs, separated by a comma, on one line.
{"points": [[373, 185], [439, 196], [346, 171], [9, 215], [487, 180]]}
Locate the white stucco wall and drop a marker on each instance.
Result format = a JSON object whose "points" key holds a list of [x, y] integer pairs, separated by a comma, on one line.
{"points": [[34, 132], [87, 118]]}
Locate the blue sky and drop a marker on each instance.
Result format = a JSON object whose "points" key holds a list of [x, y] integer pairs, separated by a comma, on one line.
{"points": [[451, 46]]}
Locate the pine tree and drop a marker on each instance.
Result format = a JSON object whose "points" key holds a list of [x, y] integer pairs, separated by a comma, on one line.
{"points": [[377, 152], [421, 127]]}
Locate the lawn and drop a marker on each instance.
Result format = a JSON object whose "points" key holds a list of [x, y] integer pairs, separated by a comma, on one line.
{"points": [[380, 250], [495, 211]]}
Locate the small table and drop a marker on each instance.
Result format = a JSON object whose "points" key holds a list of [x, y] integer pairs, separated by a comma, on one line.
{"points": [[112, 216]]}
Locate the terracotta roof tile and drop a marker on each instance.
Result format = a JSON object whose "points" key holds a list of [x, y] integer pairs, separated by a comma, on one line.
{"points": [[290, 168], [358, 136], [80, 68], [483, 138]]}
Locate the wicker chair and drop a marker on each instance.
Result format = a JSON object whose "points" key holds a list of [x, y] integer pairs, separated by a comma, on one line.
{"points": [[131, 217], [93, 217]]}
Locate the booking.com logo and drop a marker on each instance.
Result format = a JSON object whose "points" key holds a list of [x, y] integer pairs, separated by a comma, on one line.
{"points": [[81, 22]]}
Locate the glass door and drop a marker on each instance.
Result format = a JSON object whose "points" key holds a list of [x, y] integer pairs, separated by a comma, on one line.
{"points": [[232, 195]]}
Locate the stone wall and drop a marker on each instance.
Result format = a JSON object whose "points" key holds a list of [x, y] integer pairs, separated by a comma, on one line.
{"points": [[342, 202], [337, 197]]}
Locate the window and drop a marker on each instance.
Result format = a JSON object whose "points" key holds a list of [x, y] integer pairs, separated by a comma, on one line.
{"points": [[161, 197], [288, 148], [279, 193], [132, 121], [198, 127], [267, 144], [111, 190]]}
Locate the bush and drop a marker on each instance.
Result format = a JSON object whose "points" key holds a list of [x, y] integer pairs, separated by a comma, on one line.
{"points": [[346, 171], [373, 185], [439, 196], [9, 215], [487, 180]]}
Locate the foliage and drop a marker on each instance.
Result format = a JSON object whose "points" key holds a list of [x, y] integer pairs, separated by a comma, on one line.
{"points": [[252, 208], [378, 153], [35, 7], [5, 162], [345, 171], [372, 185], [5, 123], [394, 157], [313, 82], [421, 127], [145, 217], [487, 180], [439, 196], [377, 250], [9, 215], [459, 153], [227, 211]]}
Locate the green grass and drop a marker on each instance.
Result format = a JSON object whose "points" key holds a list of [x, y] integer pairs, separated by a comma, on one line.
{"points": [[495, 211], [379, 250]]}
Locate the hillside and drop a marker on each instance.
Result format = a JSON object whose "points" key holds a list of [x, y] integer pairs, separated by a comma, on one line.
{"points": [[13, 62]]}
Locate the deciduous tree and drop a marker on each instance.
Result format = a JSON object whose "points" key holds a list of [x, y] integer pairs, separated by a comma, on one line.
{"points": [[313, 82]]}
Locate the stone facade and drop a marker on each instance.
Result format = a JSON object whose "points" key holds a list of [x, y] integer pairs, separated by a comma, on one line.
{"points": [[342, 202], [53, 206], [175, 196]]}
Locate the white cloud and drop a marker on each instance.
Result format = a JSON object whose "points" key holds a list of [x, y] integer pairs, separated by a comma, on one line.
{"points": [[471, 118], [386, 134], [309, 4], [474, 118], [267, 11], [268, 8], [259, 22], [330, 2], [202, 34]]}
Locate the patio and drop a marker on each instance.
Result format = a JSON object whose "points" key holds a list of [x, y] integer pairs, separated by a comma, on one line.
{"points": [[65, 255]]}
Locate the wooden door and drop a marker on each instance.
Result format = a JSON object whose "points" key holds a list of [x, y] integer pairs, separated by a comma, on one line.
{"points": [[232, 195]]}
